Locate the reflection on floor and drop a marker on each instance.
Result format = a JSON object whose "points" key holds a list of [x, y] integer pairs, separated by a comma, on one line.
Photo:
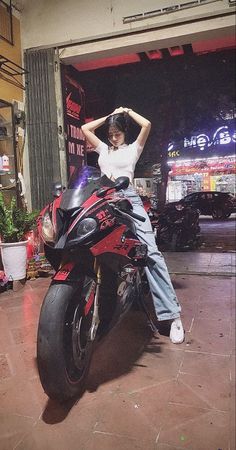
{"points": [[142, 391]]}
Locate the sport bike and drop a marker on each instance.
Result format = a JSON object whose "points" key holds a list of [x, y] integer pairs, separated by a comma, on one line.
{"points": [[89, 238], [176, 227]]}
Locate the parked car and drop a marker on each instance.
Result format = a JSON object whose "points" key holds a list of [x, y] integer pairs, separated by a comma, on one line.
{"points": [[220, 205]]}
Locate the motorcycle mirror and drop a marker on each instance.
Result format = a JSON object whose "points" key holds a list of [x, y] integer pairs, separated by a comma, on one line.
{"points": [[124, 205], [57, 189], [121, 183]]}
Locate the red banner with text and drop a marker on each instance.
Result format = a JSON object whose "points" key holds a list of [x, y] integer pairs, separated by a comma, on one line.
{"points": [[74, 114]]}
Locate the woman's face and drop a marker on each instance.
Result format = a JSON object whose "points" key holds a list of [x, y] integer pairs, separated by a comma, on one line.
{"points": [[115, 136]]}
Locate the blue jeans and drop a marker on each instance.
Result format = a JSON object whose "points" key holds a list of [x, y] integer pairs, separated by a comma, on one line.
{"points": [[163, 294]]}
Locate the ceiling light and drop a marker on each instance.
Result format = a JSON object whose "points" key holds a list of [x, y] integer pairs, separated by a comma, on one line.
{"points": [[155, 54], [176, 51]]}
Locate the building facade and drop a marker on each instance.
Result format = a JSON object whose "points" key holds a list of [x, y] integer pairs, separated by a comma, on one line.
{"points": [[63, 40]]}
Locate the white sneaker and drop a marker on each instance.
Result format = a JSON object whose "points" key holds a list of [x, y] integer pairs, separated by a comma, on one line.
{"points": [[177, 331]]}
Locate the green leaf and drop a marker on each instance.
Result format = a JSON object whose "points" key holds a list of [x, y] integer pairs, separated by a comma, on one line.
{"points": [[15, 222]]}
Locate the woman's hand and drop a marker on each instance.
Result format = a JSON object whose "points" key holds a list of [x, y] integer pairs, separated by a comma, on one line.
{"points": [[127, 110], [119, 110]]}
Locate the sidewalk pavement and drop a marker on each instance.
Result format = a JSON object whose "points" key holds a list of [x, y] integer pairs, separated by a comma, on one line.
{"points": [[143, 392], [196, 263]]}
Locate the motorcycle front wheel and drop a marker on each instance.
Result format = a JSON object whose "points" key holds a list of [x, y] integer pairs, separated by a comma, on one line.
{"points": [[64, 345]]}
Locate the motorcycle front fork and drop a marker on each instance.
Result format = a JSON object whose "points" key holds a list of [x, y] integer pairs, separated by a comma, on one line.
{"points": [[96, 319]]}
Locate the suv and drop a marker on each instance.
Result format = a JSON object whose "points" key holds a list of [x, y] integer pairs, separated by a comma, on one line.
{"points": [[218, 204]]}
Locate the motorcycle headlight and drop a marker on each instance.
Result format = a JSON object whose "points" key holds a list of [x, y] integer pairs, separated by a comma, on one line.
{"points": [[47, 228], [86, 227], [179, 207]]}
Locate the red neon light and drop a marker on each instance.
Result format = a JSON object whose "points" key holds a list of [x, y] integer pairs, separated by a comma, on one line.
{"points": [[155, 54], [176, 51]]}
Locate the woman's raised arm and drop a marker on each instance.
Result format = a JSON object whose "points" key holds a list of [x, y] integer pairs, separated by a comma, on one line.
{"points": [[89, 130], [145, 125]]}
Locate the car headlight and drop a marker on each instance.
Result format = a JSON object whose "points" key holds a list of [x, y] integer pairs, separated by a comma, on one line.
{"points": [[86, 227], [47, 228]]}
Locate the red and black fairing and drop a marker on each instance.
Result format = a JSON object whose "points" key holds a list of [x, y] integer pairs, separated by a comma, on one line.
{"points": [[113, 234]]}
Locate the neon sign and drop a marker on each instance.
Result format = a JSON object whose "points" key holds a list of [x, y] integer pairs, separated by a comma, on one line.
{"points": [[221, 142], [222, 136]]}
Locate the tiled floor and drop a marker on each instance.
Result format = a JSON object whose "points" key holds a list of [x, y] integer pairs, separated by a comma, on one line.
{"points": [[142, 392]]}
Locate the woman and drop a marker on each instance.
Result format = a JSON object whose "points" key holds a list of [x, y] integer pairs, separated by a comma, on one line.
{"points": [[119, 159]]}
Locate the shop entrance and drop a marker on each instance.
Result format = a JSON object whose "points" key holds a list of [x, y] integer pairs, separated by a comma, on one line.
{"points": [[212, 174]]}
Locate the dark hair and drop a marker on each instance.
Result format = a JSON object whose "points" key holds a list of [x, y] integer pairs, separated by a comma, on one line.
{"points": [[119, 121]]}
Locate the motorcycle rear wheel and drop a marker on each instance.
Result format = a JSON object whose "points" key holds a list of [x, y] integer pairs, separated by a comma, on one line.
{"points": [[176, 243], [64, 347]]}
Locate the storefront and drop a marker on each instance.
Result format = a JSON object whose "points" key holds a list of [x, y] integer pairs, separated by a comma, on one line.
{"points": [[74, 117], [203, 162]]}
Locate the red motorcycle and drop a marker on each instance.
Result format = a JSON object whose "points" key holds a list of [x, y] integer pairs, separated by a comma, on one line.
{"points": [[89, 237]]}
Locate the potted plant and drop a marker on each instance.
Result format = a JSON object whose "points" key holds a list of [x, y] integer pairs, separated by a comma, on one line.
{"points": [[14, 224]]}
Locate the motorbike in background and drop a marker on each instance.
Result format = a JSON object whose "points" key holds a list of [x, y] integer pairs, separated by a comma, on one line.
{"points": [[90, 240], [176, 227]]}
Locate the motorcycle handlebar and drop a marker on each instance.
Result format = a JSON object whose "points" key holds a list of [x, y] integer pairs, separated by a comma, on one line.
{"points": [[132, 214]]}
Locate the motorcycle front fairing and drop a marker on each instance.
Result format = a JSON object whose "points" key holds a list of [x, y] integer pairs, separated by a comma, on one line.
{"points": [[78, 208], [58, 215], [83, 183]]}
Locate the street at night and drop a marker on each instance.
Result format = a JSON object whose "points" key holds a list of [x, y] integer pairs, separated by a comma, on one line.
{"points": [[217, 235]]}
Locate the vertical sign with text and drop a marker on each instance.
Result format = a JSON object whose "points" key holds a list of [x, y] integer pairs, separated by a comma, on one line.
{"points": [[74, 112]]}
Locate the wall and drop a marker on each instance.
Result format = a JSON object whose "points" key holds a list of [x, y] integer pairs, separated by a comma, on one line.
{"points": [[95, 28], [9, 92], [56, 22]]}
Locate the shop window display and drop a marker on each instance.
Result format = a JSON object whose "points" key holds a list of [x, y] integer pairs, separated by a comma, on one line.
{"points": [[8, 172]]}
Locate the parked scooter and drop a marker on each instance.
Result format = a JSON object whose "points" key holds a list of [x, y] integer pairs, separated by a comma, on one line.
{"points": [[176, 227], [90, 240]]}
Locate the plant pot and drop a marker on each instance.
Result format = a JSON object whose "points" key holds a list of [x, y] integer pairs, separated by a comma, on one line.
{"points": [[14, 259]]}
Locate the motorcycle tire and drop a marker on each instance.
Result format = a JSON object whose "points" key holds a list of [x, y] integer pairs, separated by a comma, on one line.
{"points": [[145, 303], [176, 242], [64, 347]]}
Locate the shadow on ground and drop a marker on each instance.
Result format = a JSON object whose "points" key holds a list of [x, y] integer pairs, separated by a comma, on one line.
{"points": [[116, 355]]}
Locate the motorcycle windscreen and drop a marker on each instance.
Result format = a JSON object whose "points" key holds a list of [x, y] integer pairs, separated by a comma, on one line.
{"points": [[82, 184]]}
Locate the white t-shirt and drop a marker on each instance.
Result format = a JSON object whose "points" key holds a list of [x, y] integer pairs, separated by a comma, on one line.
{"points": [[118, 162]]}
